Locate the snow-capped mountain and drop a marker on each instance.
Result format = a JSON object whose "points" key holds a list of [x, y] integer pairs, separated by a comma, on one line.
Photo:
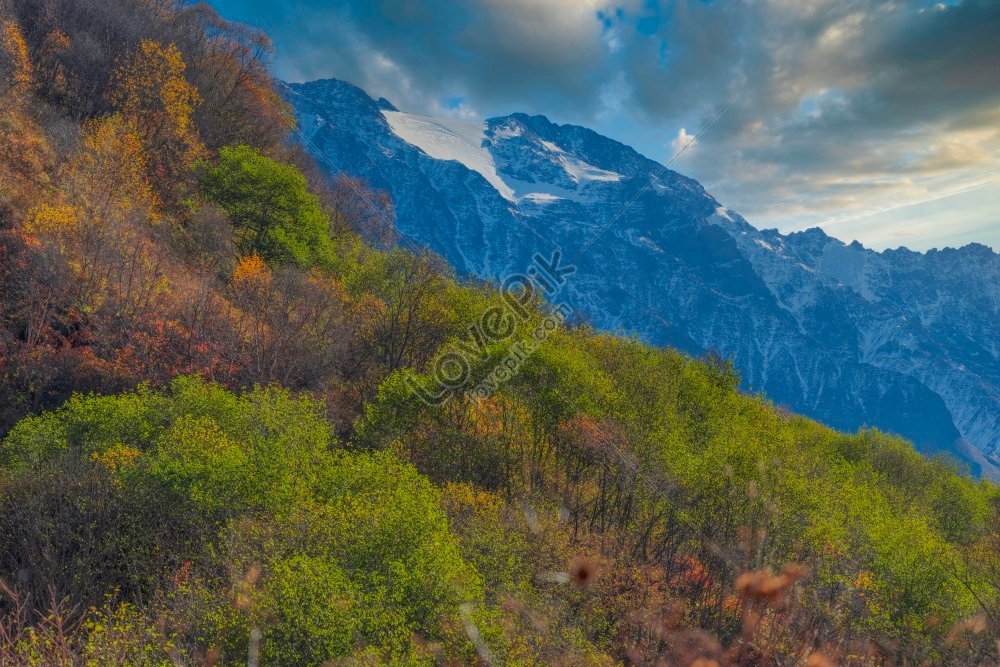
{"points": [[908, 342]]}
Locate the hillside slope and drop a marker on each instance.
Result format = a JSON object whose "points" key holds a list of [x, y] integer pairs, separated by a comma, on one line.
{"points": [[843, 334], [216, 448]]}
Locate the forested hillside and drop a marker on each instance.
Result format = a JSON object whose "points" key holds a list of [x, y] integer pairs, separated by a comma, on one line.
{"points": [[217, 446]]}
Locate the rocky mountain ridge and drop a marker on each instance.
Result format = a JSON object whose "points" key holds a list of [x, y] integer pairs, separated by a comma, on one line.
{"points": [[905, 341]]}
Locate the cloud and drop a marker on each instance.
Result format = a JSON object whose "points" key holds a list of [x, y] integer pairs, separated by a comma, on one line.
{"points": [[682, 143], [550, 53], [844, 108]]}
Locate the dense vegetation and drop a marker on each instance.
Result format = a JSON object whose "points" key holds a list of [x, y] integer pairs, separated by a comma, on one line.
{"points": [[212, 450]]}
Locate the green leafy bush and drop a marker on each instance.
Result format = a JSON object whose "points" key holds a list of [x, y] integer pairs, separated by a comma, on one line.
{"points": [[269, 204], [353, 549]]}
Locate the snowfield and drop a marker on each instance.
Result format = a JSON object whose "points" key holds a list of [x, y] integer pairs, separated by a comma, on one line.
{"points": [[447, 139], [467, 143]]}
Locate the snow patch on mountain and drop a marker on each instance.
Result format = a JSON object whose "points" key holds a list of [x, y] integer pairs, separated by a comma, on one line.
{"points": [[581, 172], [468, 144], [449, 139]]}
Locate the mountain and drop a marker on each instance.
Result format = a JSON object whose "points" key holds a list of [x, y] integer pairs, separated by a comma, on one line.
{"points": [[905, 341]]}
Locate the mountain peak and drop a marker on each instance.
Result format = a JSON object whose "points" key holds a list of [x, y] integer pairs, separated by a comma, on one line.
{"points": [[536, 123], [826, 328], [335, 93]]}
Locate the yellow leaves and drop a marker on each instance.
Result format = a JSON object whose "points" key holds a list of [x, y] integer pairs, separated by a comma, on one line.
{"points": [[163, 286], [118, 457], [178, 98], [108, 134], [460, 496], [151, 92], [864, 581], [109, 143], [110, 171], [153, 80], [52, 219], [99, 218], [252, 272], [19, 71]]}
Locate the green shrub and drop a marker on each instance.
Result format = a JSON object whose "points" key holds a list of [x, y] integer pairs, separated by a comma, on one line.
{"points": [[269, 204], [314, 609]]}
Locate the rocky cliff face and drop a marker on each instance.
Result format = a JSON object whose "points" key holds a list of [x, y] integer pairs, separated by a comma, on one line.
{"points": [[908, 342]]}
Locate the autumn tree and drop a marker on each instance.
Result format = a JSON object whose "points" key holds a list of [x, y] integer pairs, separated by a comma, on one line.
{"points": [[24, 150], [291, 326], [15, 66], [107, 199], [77, 47], [357, 208], [151, 93], [101, 232], [229, 65]]}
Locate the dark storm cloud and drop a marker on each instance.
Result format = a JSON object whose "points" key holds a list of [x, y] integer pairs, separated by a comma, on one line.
{"points": [[868, 66], [418, 52], [896, 63], [841, 105]]}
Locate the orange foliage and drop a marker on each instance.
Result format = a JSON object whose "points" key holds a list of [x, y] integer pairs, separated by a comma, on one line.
{"points": [[592, 439], [252, 271], [695, 574], [57, 41], [25, 156], [18, 72], [24, 152], [732, 605], [91, 295]]}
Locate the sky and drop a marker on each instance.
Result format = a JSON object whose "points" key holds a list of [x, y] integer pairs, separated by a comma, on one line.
{"points": [[878, 120]]}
